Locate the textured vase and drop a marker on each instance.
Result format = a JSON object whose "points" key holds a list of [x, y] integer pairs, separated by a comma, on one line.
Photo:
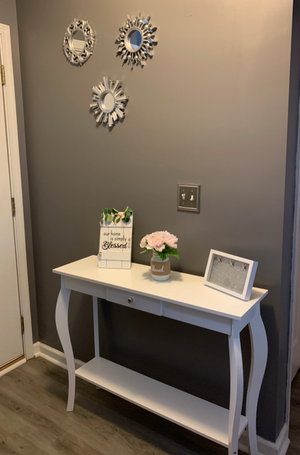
{"points": [[160, 270]]}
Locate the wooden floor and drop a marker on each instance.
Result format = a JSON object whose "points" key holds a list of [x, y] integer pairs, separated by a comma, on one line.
{"points": [[33, 420]]}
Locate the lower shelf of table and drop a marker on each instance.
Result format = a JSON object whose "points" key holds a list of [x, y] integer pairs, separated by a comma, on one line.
{"points": [[186, 410]]}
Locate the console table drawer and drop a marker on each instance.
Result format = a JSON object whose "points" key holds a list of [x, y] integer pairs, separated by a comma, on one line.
{"points": [[131, 300]]}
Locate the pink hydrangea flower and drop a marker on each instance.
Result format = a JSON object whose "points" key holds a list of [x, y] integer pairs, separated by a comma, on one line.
{"points": [[143, 242], [162, 242], [170, 239], [156, 241]]}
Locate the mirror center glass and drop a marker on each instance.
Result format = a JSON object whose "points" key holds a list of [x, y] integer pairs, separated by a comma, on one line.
{"points": [[134, 40], [107, 103], [78, 41]]}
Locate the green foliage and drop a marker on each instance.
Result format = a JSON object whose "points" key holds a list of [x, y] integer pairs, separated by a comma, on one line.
{"points": [[111, 215], [168, 251]]}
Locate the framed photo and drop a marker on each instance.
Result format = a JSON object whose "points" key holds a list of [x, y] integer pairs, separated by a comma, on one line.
{"points": [[230, 274]]}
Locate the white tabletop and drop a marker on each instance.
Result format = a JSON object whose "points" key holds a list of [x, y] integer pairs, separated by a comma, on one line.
{"points": [[181, 288]]}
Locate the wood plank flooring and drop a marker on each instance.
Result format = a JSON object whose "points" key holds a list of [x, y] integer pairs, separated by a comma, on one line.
{"points": [[34, 421]]}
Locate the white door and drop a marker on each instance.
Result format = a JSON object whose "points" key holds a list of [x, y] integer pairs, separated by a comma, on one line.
{"points": [[11, 345]]}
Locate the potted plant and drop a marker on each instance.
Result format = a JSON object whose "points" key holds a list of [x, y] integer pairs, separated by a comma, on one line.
{"points": [[162, 244]]}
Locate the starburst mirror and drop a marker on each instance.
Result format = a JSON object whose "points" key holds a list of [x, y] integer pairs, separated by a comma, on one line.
{"points": [[79, 42], [109, 102], [136, 40]]}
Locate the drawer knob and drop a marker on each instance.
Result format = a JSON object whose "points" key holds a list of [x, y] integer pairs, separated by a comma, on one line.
{"points": [[130, 300]]}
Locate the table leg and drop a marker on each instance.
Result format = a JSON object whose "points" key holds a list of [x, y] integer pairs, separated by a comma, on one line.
{"points": [[96, 327], [61, 319], [259, 354], [236, 391]]}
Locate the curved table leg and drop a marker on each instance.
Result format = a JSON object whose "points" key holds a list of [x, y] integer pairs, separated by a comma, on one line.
{"points": [[259, 348], [236, 391], [96, 329], [61, 320]]}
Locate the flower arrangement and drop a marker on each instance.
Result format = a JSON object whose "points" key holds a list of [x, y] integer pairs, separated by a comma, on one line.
{"points": [[162, 242]]}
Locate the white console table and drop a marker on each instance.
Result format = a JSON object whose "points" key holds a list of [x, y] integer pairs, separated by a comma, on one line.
{"points": [[185, 299]]}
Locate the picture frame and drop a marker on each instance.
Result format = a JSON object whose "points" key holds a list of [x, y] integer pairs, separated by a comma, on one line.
{"points": [[230, 274]]}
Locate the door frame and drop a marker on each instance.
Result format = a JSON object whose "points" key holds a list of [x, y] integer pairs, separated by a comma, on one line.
{"points": [[16, 188], [295, 283]]}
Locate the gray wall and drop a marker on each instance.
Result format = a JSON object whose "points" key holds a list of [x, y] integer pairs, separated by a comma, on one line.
{"points": [[8, 16], [210, 108]]}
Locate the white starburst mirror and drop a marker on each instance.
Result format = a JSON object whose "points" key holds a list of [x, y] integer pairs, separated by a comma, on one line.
{"points": [[136, 40], [109, 102]]}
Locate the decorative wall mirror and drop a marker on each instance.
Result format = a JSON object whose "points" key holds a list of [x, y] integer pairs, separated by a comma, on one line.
{"points": [[79, 42], [109, 102], [136, 40]]}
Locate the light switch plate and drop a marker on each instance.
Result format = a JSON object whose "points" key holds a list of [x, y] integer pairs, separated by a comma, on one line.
{"points": [[188, 197]]}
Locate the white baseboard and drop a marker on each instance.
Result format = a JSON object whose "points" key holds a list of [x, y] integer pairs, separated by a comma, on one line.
{"points": [[265, 447], [53, 355], [12, 367]]}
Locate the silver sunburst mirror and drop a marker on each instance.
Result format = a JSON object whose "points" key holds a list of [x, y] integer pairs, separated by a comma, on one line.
{"points": [[136, 40], [79, 42], [109, 102]]}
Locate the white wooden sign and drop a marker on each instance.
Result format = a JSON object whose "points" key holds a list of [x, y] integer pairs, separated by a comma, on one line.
{"points": [[115, 243]]}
